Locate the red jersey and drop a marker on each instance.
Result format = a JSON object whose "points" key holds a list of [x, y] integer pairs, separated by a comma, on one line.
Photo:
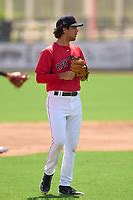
{"points": [[54, 60]]}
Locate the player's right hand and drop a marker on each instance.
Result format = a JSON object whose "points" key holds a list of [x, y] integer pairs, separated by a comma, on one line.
{"points": [[68, 75]]}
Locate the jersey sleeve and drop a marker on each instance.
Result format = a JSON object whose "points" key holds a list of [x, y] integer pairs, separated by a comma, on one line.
{"points": [[82, 56], [44, 68]]}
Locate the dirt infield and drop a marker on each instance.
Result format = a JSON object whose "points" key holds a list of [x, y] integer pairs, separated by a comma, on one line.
{"points": [[29, 138]]}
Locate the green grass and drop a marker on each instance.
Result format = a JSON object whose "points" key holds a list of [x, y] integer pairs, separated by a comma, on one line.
{"points": [[104, 97], [102, 176], [108, 97]]}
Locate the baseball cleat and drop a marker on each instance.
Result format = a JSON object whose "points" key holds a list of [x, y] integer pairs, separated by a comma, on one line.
{"points": [[67, 190], [45, 183], [3, 149]]}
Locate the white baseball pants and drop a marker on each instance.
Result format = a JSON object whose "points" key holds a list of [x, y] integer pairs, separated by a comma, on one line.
{"points": [[65, 115]]}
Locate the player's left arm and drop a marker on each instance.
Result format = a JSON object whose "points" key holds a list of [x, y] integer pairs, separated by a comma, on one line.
{"points": [[3, 74], [82, 57], [79, 66], [16, 78]]}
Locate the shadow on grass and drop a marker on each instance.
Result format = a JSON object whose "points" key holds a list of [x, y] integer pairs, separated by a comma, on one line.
{"points": [[53, 197]]}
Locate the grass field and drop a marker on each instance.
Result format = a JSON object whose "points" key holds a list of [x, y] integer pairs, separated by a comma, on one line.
{"points": [[104, 97], [102, 176]]}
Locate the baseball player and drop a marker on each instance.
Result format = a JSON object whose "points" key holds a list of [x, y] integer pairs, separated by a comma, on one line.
{"points": [[63, 102]]}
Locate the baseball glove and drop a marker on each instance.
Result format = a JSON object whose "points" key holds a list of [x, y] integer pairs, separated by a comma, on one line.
{"points": [[79, 68], [17, 78]]}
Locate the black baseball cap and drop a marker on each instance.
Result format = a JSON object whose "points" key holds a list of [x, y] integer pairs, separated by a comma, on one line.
{"points": [[67, 21]]}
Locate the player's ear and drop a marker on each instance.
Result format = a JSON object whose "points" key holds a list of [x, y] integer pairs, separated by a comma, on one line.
{"points": [[65, 30]]}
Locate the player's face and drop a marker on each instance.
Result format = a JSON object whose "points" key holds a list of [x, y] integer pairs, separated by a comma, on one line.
{"points": [[72, 33]]}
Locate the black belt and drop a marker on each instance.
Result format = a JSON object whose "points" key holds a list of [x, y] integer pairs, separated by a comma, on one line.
{"points": [[66, 93]]}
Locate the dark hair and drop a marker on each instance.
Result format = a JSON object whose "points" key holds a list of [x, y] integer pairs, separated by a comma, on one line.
{"points": [[58, 31]]}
